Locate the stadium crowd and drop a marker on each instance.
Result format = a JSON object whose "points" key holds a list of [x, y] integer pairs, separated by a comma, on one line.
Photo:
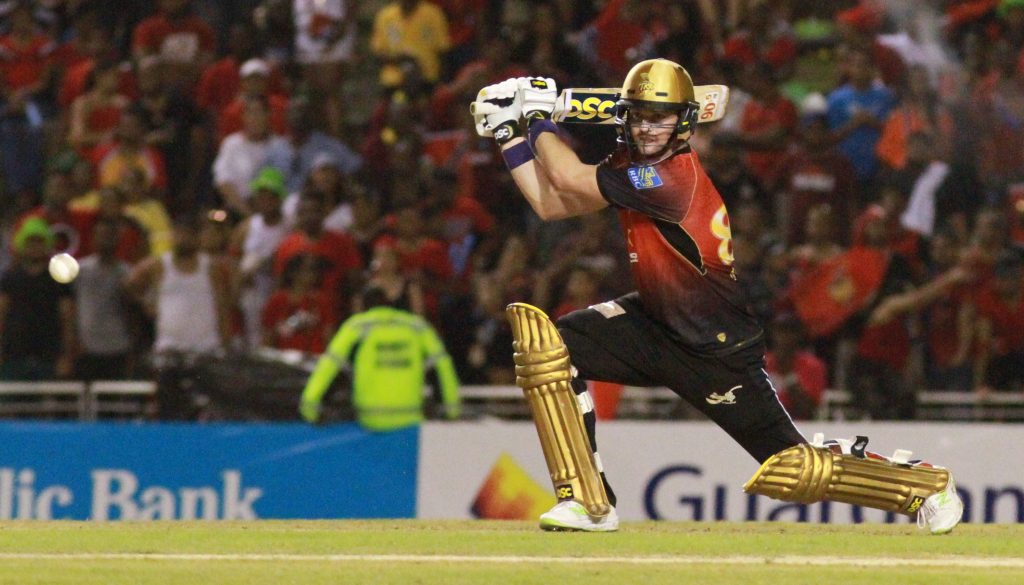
{"points": [[232, 173]]}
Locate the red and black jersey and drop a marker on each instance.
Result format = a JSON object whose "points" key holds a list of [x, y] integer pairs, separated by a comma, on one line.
{"points": [[680, 250]]}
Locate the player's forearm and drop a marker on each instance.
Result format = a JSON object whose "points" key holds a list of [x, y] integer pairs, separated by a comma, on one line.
{"points": [[536, 187], [563, 167], [557, 185]]}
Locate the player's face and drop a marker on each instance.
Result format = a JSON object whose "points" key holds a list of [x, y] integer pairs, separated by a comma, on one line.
{"points": [[652, 129]]}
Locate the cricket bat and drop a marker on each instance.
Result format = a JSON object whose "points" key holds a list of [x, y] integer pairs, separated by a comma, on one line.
{"points": [[596, 105]]}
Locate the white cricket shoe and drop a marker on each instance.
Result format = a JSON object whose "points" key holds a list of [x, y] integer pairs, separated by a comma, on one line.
{"points": [[570, 515], [941, 511]]}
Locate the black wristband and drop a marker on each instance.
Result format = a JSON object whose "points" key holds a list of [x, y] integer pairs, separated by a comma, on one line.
{"points": [[507, 131]]}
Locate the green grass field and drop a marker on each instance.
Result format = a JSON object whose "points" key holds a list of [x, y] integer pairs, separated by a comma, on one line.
{"points": [[457, 552]]}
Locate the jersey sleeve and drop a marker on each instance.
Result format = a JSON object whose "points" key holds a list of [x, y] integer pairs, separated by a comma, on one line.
{"points": [[641, 189], [331, 362], [437, 356]]}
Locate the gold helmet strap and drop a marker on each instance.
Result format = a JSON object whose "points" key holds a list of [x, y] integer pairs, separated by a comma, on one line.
{"points": [[544, 374]]}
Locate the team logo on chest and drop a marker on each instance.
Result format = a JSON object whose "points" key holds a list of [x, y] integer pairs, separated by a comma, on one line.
{"points": [[644, 177]]}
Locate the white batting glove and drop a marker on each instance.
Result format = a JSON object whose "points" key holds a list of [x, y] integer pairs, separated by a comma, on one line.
{"points": [[539, 96], [497, 110]]}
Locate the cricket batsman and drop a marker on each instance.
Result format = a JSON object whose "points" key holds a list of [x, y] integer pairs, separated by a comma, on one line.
{"points": [[687, 326]]}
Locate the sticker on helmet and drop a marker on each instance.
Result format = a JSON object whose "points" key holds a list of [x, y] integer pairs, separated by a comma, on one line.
{"points": [[645, 177], [646, 85]]}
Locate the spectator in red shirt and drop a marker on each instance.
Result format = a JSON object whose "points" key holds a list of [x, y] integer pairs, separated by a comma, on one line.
{"points": [[493, 65], [999, 327], [767, 124], [255, 82], [76, 30], [220, 81], [762, 38], [338, 250], [458, 219], [814, 173], [946, 348], [25, 58], [464, 19], [581, 291], [876, 374], [181, 38], [300, 315], [95, 45], [798, 376], [95, 114], [621, 28], [989, 240], [821, 240], [858, 28], [421, 256], [994, 116]]}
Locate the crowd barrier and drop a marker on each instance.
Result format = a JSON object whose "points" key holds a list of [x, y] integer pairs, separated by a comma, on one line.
{"points": [[118, 399]]}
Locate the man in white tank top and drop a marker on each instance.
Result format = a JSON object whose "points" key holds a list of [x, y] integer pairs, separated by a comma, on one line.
{"points": [[256, 239], [188, 294]]}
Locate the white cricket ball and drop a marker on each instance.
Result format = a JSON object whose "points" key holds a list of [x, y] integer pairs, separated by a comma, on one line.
{"points": [[63, 267]]}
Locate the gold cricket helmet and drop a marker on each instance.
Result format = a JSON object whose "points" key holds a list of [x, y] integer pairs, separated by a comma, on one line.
{"points": [[658, 84]]}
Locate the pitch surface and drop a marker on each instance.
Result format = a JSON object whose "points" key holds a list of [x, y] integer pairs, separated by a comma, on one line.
{"points": [[356, 552]]}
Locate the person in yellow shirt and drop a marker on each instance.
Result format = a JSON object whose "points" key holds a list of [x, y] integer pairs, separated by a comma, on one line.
{"points": [[409, 29], [140, 205]]}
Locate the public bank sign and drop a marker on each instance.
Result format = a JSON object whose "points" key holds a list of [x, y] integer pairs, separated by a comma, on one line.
{"points": [[210, 472]]}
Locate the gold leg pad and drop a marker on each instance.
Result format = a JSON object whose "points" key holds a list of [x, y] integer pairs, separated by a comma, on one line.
{"points": [[544, 374], [807, 474]]}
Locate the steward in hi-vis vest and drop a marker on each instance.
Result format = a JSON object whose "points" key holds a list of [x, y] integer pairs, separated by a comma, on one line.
{"points": [[393, 349]]}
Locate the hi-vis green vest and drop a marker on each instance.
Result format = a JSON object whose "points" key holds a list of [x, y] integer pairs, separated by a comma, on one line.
{"points": [[394, 349]]}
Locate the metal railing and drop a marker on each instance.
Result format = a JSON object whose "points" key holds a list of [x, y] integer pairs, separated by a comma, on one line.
{"points": [[132, 399], [77, 400], [662, 403]]}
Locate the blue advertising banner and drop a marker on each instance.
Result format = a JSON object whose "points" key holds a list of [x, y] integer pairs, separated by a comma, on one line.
{"points": [[209, 471]]}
